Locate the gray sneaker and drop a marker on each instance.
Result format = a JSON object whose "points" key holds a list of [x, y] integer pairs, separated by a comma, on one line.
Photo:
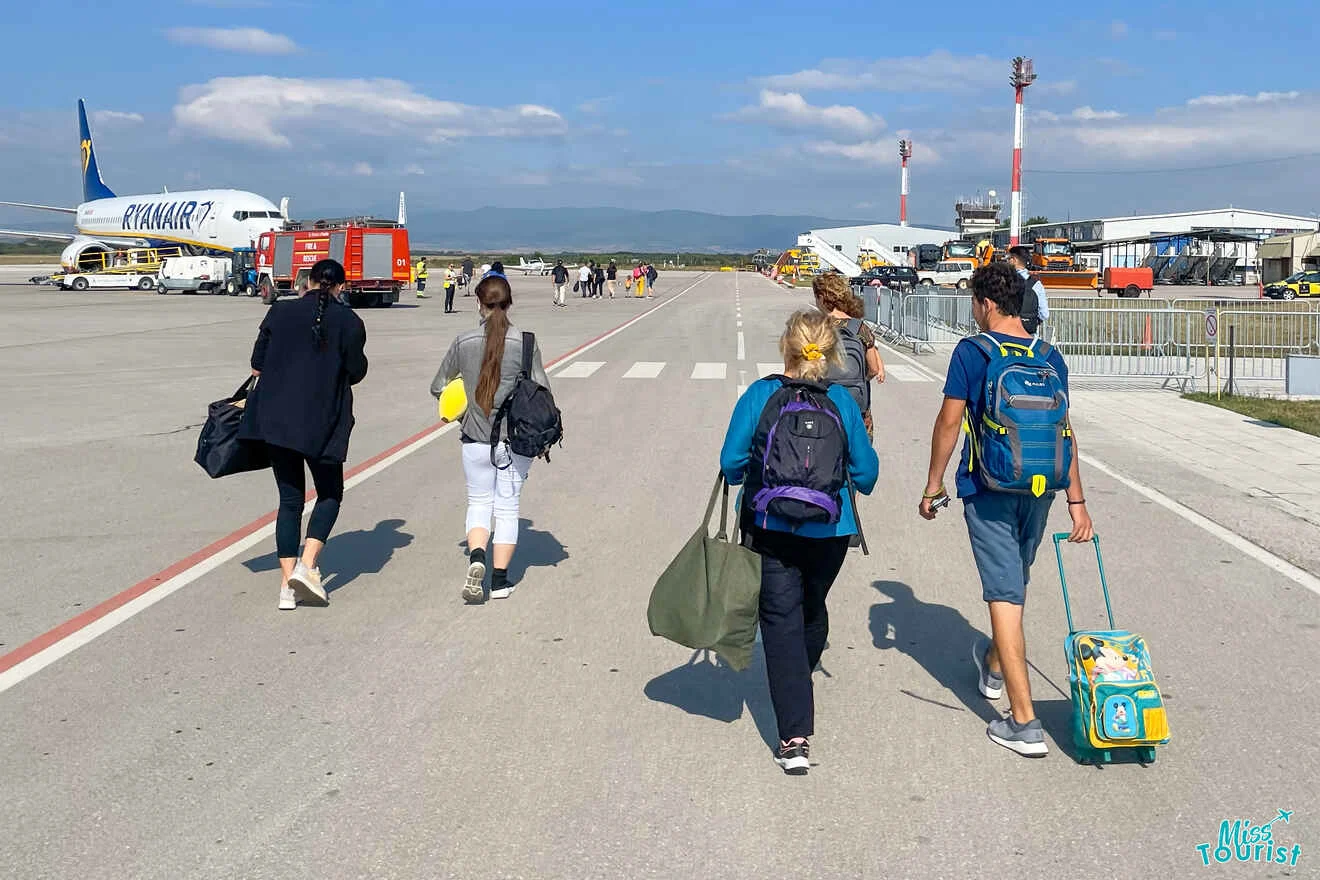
{"points": [[1028, 740], [990, 683]]}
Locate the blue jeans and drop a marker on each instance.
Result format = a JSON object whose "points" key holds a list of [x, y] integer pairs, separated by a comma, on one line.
{"points": [[1005, 530]]}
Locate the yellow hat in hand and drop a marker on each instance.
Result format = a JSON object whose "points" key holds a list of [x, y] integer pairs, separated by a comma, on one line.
{"points": [[453, 400]]}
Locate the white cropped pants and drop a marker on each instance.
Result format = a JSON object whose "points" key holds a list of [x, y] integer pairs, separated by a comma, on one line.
{"points": [[493, 492]]}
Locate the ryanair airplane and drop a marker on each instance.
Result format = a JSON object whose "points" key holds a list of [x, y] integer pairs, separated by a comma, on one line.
{"points": [[213, 221]]}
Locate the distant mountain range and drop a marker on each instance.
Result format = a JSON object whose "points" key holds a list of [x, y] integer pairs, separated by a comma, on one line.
{"points": [[554, 230]]}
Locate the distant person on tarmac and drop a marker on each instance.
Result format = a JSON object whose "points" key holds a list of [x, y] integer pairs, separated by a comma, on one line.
{"points": [[451, 280], [801, 554], [584, 279], [308, 354], [598, 280], [1035, 305], [467, 276], [421, 278], [651, 275], [489, 358], [1005, 528], [559, 278], [611, 275], [639, 279]]}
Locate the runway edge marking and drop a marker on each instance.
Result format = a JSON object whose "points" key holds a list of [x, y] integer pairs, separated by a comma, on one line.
{"points": [[1273, 561], [30, 658]]}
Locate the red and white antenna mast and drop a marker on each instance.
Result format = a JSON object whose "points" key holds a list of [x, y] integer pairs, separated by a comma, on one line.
{"points": [[1024, 74], [904, 153]]}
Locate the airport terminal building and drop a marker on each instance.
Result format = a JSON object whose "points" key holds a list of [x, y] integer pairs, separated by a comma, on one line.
{"points": [[1129, 241], [899, 239]]}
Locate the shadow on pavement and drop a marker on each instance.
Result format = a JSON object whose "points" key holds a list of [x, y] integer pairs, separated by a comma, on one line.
{"points": [[535, 549], [349, 555], [707, 687], [939, 639]]}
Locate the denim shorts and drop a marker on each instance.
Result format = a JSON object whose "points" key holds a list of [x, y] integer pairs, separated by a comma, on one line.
{"points": [[1006, 530]]}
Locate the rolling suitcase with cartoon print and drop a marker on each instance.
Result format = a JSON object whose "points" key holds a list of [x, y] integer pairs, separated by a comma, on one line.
{"points": [[1116, 703]]}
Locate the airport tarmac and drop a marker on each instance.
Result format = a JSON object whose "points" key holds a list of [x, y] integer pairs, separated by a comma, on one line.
{"points": [[400, 733]]}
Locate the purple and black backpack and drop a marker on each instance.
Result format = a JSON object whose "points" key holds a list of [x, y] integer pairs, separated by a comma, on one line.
{"points": [[799, 456]]}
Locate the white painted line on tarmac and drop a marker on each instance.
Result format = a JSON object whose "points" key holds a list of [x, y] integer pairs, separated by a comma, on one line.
{"points": [[579, 370], [645, 370], [742, 347], [710, 371], [1297, 575], [905, 373]]}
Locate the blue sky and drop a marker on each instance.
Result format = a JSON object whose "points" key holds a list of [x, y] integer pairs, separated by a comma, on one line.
{"points": [[730, 108]]}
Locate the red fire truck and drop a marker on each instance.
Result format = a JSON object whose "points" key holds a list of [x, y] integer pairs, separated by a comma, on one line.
{"points": [[374, 254]]}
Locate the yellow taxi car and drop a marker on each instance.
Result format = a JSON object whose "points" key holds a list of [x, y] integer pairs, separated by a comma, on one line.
{"points": [[1305, 283]]}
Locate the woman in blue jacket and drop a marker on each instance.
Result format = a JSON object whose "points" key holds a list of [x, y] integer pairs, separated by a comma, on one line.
{"points": [[799, 561]]}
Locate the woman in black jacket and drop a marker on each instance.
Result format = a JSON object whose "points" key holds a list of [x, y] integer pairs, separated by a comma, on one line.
{"points": [[309, 353]]}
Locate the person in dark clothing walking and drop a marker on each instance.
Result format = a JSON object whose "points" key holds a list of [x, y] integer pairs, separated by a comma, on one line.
{"points": [[611, 276], [308, 354]]}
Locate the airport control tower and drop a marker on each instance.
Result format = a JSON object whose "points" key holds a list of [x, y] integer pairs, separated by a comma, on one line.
{"points": [[977, 216]]}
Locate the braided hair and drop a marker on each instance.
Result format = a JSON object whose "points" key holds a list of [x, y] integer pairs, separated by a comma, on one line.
{"points": [[326, 275]]}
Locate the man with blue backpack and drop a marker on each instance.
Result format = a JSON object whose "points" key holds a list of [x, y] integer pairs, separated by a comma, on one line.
{"points": [[1008, 392]]}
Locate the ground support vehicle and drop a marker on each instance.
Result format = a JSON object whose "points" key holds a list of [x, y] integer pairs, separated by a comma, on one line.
{"points": [[193, 274], [242, 273], [374, 253], [1128, 282]]}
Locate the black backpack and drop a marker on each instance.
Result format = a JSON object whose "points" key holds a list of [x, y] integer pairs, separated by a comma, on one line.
{"points": [[852, 374], [1030, 304], [529, 413], [798, 466]]}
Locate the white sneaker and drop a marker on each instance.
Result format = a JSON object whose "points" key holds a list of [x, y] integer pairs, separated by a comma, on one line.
{"points": [[473, 594], [306, 584], [287, 600], [502, 592]]}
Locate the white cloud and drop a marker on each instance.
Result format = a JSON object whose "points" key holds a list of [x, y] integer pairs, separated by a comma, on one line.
{"points": [[1231, 100], [1118, 29], [253, 41], [363, 169], [1043, 116], [940, 71], [110, 117], [790, 110], [272, 111], [875, 152], [1087, 114], [414, 171]]}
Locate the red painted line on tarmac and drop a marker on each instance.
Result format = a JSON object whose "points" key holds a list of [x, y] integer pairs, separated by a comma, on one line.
{"points": [[91, 615]]}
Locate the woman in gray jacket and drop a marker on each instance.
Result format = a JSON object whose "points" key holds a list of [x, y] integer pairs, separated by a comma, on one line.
{"points": [[492, 355]]}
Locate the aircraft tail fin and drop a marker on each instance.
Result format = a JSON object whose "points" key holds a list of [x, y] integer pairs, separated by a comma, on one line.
{"points": [[93, 187]]}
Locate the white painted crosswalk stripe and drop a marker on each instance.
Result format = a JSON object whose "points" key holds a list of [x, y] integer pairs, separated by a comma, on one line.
{"points": [[905, 373], [710, 371], [579, 370], [644, 370]]}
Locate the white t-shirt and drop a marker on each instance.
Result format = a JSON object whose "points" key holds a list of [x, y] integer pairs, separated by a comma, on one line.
{"points": [[584, 274]]}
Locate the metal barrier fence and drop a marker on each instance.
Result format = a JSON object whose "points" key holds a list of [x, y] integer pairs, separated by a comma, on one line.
{"points": [[1259, 343], [1184, 341]]}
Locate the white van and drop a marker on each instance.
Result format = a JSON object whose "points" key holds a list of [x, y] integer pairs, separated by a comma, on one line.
{"points": [[949, 274], [196, 274]]}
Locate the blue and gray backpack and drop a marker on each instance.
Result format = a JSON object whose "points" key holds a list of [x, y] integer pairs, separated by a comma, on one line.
{"points": [[799, 456], [1023, 444]]}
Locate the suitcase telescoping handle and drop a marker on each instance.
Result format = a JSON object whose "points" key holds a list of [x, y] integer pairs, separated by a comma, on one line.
{"points": [[1059, 538]]}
